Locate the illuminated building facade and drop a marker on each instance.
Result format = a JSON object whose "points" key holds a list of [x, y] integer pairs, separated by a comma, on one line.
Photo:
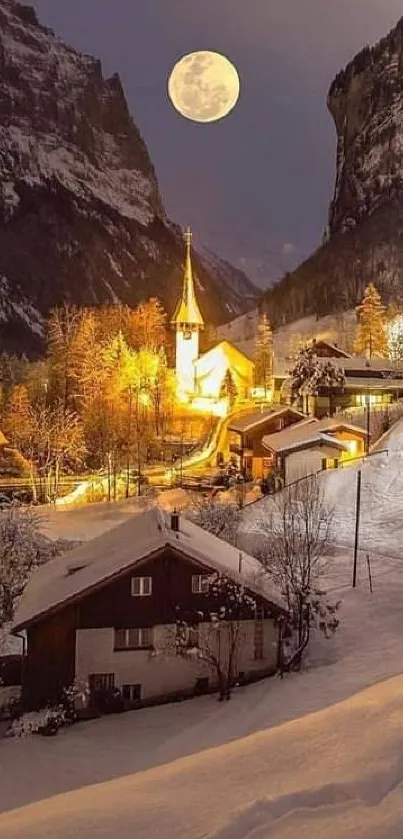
{"points": [[215, 380]]}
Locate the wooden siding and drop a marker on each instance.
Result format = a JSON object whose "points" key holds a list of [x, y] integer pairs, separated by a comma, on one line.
{"points": [[50, 662], [171, 595], [51, 648]]}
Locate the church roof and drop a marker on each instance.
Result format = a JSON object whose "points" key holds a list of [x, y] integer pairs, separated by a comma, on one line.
{"points": [[187, 312], [228, 348]]}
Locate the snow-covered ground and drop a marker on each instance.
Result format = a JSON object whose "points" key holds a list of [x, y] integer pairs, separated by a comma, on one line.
{"points": [[281, 759]]}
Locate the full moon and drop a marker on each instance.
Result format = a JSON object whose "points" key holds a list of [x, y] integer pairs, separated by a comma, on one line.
{"points": [[204, 86]]}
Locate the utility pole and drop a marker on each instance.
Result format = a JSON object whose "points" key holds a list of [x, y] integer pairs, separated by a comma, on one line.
{"points": [[368, 400], [357, 526]]}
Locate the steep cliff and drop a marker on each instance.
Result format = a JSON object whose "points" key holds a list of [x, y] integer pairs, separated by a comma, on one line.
{"points": [[364, 238], [81, 217]]}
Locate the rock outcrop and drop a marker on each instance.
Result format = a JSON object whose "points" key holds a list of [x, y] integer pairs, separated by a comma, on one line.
{"points": [[81, 216], [364, 239]]}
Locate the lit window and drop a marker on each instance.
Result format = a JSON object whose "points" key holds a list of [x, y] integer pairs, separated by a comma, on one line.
{"points": [[200, 583], [133, 639], [142, 586]]}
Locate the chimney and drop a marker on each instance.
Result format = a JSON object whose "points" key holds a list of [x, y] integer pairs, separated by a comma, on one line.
{"points": [[175, 521], [240, 562]]}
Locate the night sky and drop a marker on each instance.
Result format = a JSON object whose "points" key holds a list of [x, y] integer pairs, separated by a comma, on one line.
{"points": [[256, 186]]}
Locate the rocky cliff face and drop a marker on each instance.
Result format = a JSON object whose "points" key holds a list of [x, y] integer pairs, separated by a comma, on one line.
{"points": [[81, 217], [364, 238]]}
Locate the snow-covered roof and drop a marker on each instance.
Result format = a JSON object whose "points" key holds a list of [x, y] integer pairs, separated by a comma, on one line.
{"points": [[373, 383], [73, 575], [308, 433], [330, 345], [253, 420], [228, 348]]}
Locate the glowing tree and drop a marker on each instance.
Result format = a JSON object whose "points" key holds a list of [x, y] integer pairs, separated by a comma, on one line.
{"points": [[264, 354], [395, 338], [371, 336]]}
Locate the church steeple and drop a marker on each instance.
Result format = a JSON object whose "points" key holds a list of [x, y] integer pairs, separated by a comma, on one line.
{"points": [[187, 314]]}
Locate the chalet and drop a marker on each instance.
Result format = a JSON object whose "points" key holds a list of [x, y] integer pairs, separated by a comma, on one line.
{"points": [[245, 437], [328, 349], [311, 445], [375, 381], [101, 612]]}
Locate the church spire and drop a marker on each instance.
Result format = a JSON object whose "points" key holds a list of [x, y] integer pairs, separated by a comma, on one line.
{"points": [[187, 313]]}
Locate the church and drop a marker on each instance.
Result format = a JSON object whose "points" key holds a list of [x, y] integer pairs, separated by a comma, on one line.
{"points": [[215, 380]]}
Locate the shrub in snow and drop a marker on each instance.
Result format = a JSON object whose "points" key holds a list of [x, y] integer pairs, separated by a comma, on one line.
{"points": [[47, 721]]}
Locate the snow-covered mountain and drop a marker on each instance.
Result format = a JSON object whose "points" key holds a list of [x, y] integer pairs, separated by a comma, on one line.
{"points": [[363, 241], [81, 216]]}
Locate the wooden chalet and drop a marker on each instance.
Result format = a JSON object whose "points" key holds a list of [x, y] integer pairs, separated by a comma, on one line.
{"points": [[245, 436], [100, 613], [309, 446]]}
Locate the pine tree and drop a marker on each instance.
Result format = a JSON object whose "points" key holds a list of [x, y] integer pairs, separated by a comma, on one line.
{"points": [[228, 389], [264, 353], [371, 335]]}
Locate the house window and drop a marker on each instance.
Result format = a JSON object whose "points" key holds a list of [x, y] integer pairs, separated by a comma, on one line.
{"points": [[131, 693], [142, 586], [133, 639], [258, 641], [200, 583], [101, 681]]}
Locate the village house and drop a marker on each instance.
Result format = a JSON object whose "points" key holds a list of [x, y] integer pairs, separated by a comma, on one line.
{"points": [[102, 612], [376, 382], [311, 445], [246, 432]]}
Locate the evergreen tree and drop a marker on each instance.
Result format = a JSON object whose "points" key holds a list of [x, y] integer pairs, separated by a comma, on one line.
{"points": [[228, 389], [311, 374], [264, 353], [371, 336]]}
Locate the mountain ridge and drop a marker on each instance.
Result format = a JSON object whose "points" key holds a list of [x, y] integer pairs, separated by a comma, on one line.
{"points": [[364, 236], [81, 215]]}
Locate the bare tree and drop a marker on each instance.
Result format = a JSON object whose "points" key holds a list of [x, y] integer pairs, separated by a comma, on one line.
{"points": [[222, 520], [214, 636], [294, 552]]}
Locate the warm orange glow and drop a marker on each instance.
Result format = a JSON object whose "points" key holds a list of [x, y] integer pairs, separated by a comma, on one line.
{"points": [[352, 446]]}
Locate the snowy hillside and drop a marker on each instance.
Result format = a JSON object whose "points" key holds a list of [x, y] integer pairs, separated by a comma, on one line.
{"points": [[81, 217], [314, 754], [287, 339]]}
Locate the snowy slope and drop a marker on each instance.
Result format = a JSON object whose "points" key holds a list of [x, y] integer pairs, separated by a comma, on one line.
{"points": [[381, 523], [286, 761], [335, 774]]}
